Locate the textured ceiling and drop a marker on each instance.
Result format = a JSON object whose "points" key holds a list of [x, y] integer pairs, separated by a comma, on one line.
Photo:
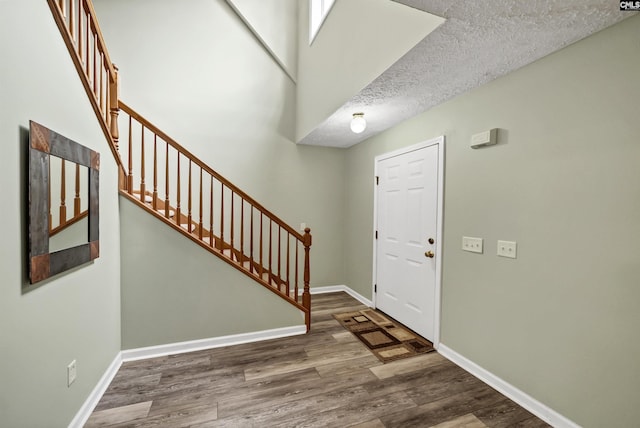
{"points": [[479, 41]]}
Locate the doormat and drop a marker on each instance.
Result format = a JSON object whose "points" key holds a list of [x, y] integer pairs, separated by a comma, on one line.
{"points": [[386, 339]]}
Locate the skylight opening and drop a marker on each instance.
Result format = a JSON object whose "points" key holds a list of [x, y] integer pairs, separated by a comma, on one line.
{"points": [[318, 11]]}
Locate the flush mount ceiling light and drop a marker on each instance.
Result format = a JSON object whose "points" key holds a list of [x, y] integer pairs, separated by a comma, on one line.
{"points": [[358, 124]]}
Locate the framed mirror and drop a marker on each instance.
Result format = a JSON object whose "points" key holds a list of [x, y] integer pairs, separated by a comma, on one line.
{"points": [[63, 203]]}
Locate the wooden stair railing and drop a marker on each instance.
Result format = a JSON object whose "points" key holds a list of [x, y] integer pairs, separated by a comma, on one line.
{"points": [[77, 22], [61, 221], [170, 182], [218, 215]]}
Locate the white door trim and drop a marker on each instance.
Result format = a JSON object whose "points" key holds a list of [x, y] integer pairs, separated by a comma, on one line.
{"points": [[440, 141]]}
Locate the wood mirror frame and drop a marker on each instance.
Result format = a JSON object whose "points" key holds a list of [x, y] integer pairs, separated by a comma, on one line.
{"points": [[44, 143]]}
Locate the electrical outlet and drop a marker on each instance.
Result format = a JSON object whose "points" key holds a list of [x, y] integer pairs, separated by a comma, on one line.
{"points": [[71, 372], [473, 245], [507, 249]]}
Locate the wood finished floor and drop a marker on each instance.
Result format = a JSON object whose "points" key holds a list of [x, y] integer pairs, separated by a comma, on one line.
{"points": [[326, 378]]}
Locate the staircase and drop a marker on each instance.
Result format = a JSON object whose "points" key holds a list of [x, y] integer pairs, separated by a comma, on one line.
{"points": [[170, 183]]}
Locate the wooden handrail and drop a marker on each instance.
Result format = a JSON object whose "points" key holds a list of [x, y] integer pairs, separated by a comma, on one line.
{"points": [[88, 5], [183, 151], [204, 245], [73, 220], [78, 214], [78, 25], [225, 231]]}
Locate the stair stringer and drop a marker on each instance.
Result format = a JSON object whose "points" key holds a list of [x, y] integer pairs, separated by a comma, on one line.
{"points": [[220, 254], [172, 291]]}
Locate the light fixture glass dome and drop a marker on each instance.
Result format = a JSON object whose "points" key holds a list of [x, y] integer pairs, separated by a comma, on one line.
{"points": [[358, 124]]}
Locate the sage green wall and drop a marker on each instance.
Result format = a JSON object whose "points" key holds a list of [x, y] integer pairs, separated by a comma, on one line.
{"points": [[275, 21], [194, 69], [75, 234], [559, 322], [182, 292], [75, 315], [358, 41]]}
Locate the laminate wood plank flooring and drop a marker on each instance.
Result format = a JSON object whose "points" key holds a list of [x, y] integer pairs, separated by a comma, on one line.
{"points": [[326, 378]]}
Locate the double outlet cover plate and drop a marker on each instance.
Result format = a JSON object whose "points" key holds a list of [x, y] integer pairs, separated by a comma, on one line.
{"points": [[475, 245]]}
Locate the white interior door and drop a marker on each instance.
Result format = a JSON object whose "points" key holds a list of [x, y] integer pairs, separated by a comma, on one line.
{"points": [[407, 231]]}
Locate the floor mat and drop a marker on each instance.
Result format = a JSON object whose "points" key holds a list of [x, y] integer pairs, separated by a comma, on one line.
{"points": [[387, 339]]}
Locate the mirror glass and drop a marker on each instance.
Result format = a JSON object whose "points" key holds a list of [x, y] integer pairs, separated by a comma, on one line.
{"points": [[63, 203], [68, 204]]}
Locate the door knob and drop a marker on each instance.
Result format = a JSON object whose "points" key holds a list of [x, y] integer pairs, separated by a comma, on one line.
{"points": [[429, 254]]}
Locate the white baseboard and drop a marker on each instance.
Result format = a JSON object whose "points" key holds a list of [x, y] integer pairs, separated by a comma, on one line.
{"points": [[172, 348], [336, 288], [194, 345], [531, 404], [214, 342], [92, 400]]}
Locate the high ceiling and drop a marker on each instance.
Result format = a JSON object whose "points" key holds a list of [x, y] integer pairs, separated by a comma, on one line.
{"points": [[479, 41]]}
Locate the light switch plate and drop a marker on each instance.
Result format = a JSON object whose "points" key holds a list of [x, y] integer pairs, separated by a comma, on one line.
{"points": [[507, 249], [473, 245]]}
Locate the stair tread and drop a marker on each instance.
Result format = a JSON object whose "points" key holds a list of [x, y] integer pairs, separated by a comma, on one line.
{"points": [[171, 212], [147, 198]]}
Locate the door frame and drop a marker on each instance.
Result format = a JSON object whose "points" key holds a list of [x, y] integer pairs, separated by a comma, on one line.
{"points": [[440, 142]]}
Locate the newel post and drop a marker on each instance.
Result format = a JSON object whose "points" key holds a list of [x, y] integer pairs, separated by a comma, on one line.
{"points": [[114, 110], [306, 296], [114, 89]]}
